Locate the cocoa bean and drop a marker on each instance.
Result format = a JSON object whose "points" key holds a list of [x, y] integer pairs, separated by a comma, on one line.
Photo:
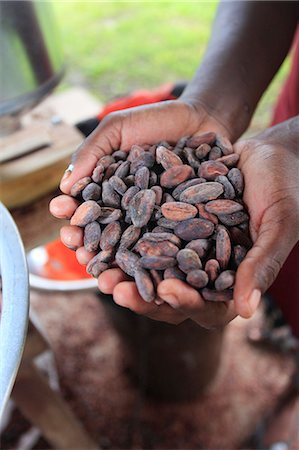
{"points": [[141, 207], [120, 155], [157, 262], [215, 153], [145, 285], [110, 236], [156, 277], [204, 138], [211, 170], [144, 160], [127, 261], [109, 196], [203, 214], [188, 260], [128, 196], [224, 144], [175, 175], [236, 178], [109, 215], [200, 246], [106, 161], [197, 278], [159, 230], [174, 272], [222, 206], [229, 191], [98, 174], [106, 256], [92, 234], [167, 158], [123, 170], [202, 151], [162, 248], [217, 296], [111, 170], [239, 237], [129, 180], [153, 179], [92, 192], [129, 237], [135, 152], [167, 198], [142, 178], [85, 213], [96, 267], [229, 160], [223, 246], [163, 236], [212, 268], [191, 158], [158, 193], [233, 219], [239, 253], [225, 280], [118, 184], [191, 229], [178, 211], [78, 187], [165, 223], [183, 186], [202, 193]]}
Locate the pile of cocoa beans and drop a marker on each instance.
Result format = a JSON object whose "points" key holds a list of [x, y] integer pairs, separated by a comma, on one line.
{"points": [[167, 211]]}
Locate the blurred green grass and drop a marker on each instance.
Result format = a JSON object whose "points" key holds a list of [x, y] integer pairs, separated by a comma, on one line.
{"points": [[115, 47]]}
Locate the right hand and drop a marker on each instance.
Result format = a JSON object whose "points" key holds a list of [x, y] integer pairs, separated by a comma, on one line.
{"points": [[169, 120]]}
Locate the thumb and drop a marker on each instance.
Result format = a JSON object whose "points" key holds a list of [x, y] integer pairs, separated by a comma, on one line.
{"points": [[102, 141], [257, 272]]}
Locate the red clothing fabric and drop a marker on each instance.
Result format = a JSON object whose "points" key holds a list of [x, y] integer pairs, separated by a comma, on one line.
{"points": [[285, 289]]}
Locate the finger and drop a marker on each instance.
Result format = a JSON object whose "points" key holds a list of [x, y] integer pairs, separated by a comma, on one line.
{"points": [[102, 141], [126, 294], [256, 273], [71, 236], [63, 206], [188, 301], [84, 256], [109, 279]]}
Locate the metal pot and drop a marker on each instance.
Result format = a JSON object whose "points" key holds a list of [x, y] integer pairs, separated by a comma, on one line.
{"points": [[30, 55]]}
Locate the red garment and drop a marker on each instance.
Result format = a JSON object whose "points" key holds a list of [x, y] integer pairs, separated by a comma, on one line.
{"points": [[285, 289]]}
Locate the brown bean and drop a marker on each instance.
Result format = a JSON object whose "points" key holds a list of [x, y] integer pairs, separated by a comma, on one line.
{"points": [[211, 170], [85, 213], [222, 206], [156, 277], [157, 262], [202, 151], [110, 236], [223, 246], [111, 170], [224, 144], [239, 237], [106, 161], [163, 236], [118, 184], [135, 152], [144, 160], [167, 158], [96, 267], [166, 223], [215, 153], [197, 278], [120, 155], [98, 174], [205, 138], [158, 193], [174, 272], [233, 219], [145, 285], [109, 215], [167, 198], [200, 246], [191, 229], [162, 248], [127, 261], [188, 260], [123, 170], [175, 175], [229, 191], [225, 280], [129, 237], [141, 207], [229, 160], [128, 196], [92, 234], [201, 193], [191, 158], [92, 192], [78, 187], [236, 178], [239, 253], [178, 211], [106, 256], [186, 184], [217, 296], [212, 268], [109, 196], [142, 178], [203, 214]]}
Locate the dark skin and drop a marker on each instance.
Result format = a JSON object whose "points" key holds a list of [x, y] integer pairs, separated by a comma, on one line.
{"points": [[241, 59]]}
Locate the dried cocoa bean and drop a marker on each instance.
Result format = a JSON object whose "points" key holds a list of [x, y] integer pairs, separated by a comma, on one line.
{"points": [[225, 280], [106, 256], [197, 278], [98, 174], [229, 160], [129, 237], [85, 213], [163, 236], [204, 138], [236, 178], [233, 219], [106, 161], [142, 178], [159, 230], [92, 192], [239, 237], [158, 193], [200, 246], [175, 175], [212, 268], [217, 296], [192, 160], [128, 196], [211, 170], [109, 215], [202, 151], [135, 152], [157, 262], [166, 198], [141, 207], [229, 191], [111, 170], [191, 229], [165, 223], [239, 253], [145, 285], [183, 186], [153, 179], [162, 248], [96, 267], [174, 272], [110, 236], [188, 260], [224, 144], [127, 261], [120, 155], [92, 234], [78, 187], [167, 158], [178, 211], [109, 196], [123, 170], [203, 214], [156, 277], [223, 247], [215, 153], [202, 193], [144, 160], [222, 206]]}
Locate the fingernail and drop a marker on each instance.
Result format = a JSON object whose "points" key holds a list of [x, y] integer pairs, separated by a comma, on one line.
{"points": [[171, 299], [67, 172], [254, 300]]}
